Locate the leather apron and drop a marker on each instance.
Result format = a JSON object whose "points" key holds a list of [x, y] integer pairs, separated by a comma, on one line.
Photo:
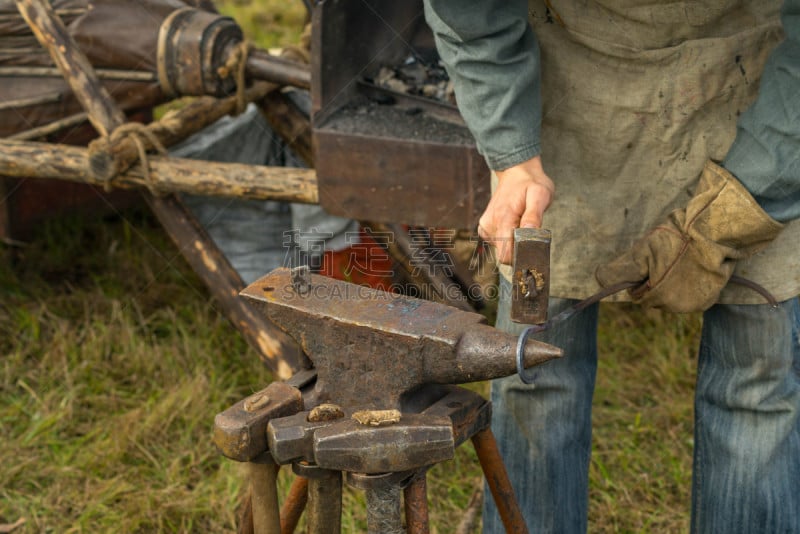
{"points": [[636, 96]]}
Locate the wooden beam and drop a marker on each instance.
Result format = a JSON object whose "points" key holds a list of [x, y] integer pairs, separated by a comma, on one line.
{"points": [[109, 157], [73, 64], [167, 175], [52, 72]]}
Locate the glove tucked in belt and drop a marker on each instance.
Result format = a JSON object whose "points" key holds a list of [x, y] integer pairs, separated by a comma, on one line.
{"points": [[686, 261]]}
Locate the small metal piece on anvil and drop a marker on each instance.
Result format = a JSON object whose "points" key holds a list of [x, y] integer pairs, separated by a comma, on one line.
{"points": [[301, 280], [530, 284], [377, 417], [256, 402], [325, 412]]}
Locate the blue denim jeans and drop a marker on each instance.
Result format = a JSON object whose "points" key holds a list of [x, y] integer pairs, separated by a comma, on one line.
{"points": [[747, 424]]}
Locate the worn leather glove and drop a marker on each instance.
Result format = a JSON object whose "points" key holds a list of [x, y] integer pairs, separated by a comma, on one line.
{"points": [[686, 261]]}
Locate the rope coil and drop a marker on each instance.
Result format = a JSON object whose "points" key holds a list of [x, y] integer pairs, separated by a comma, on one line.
{"points": [[236, 65]]}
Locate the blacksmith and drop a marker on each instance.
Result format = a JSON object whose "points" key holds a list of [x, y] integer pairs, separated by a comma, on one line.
{"points": [[660, 142]]}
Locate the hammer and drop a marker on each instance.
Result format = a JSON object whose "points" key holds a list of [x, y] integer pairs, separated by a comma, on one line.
{"points": [[530, 275]]}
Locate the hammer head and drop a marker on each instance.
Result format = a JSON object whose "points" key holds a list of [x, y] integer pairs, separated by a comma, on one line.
{"points": [[530, 279], [370, 347]]}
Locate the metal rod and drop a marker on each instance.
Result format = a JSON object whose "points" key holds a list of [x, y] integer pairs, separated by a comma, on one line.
{"points": [[264, 498], [383, 510], [495, 472], [294, 505], [416, 504], [104, 74], [263, 66], [325, 503]]}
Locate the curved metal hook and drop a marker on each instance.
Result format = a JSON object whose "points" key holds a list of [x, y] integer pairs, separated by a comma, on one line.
{"points": [[524, 374]]}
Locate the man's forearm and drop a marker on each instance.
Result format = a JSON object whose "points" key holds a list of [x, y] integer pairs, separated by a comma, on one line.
{"points": [[492, 57]]}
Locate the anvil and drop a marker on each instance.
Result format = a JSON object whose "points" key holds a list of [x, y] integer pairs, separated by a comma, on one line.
{"points": [[371, 348]]}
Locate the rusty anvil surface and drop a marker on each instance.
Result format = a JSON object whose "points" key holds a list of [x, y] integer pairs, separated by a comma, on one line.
{"points": [[371, 349]]}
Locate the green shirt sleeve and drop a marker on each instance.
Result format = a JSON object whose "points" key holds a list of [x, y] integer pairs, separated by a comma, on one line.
{"points": [[491, 54], [765, 156]]}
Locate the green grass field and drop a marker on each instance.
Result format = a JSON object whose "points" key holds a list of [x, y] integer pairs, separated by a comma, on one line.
{"points": [[115, 361]]}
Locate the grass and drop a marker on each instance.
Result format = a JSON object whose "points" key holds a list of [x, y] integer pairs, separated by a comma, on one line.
{"points": [[640, 474], [114, 360], [269, 23]]}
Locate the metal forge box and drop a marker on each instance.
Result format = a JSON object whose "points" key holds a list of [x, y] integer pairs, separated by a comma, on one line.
{"points": [[383, 152]]}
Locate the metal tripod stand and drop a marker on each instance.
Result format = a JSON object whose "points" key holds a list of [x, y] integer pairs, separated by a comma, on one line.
{"points": [[401, 451]]}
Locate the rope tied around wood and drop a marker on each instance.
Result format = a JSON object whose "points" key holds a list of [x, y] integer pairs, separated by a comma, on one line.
{"points": [[236, 65], [140, 135]]}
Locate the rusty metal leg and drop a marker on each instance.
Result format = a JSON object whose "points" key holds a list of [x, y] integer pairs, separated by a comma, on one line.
{"points": [[383, 510], [324, 498], [264, 497], [294, 505], [495, 472], [416, 503]]}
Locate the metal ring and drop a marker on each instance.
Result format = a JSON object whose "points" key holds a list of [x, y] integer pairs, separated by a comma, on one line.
{"points": [[524, 374]]}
